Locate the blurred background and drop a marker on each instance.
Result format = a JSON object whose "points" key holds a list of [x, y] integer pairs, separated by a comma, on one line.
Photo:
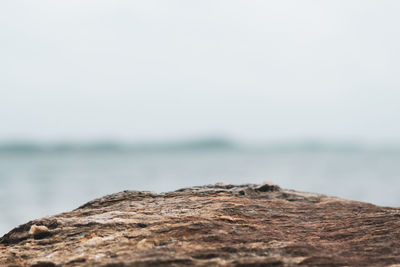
{"points": [[99, 96]]}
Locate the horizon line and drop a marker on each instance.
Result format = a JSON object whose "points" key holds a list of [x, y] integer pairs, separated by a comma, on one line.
{"points": [[194, 144]]}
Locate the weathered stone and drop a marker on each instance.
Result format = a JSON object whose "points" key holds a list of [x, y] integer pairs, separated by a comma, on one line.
{"points": [[216, 225], [39, 231], [267, 187]]}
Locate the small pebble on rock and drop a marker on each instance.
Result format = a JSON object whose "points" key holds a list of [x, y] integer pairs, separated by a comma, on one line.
{"points": [[39, 231]]}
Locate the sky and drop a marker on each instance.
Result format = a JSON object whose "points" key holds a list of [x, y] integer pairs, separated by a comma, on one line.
{"points": [[154, 70]]}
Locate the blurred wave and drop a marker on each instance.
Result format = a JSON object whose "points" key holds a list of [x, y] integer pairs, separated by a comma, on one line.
{"points": [[201, 144]]}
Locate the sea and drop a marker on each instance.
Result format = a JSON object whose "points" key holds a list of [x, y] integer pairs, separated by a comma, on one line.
{"points": [[42, 179]]}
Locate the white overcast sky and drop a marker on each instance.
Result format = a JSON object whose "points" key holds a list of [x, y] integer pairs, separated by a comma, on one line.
{"points": [[251, 70]]}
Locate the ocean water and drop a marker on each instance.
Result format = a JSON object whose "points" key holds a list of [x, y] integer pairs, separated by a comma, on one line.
{"points": [[40, 180]]}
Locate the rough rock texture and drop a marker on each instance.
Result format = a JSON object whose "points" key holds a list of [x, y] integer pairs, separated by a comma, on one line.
{"points": [[218, 225]]}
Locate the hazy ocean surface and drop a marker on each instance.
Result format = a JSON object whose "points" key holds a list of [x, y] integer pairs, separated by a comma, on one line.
{"points": [[40, 180]]}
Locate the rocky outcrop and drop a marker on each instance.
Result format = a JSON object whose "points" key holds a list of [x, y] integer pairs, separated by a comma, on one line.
{"points": [[218, 225]]}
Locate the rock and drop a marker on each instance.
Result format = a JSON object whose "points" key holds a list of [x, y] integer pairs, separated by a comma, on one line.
{"points": [[39, 231], [217, 225], [43, 264], [268, 187]]}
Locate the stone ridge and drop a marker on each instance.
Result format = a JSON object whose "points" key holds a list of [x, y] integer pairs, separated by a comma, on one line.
{"points": [[213, 225]]}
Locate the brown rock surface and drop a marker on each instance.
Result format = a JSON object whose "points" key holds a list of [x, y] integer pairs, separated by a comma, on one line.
{"points": [[223, 225]]}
